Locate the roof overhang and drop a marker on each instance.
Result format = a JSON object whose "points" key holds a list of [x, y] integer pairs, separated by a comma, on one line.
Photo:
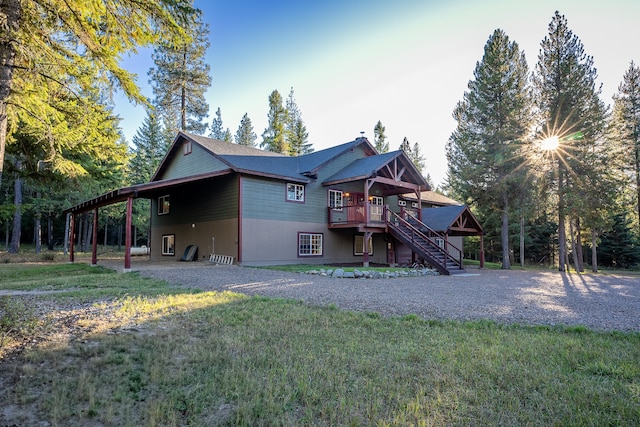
{"points": [[146, 190]]}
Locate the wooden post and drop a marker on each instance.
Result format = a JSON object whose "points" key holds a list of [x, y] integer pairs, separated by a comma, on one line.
{"points": [[127, 238], [365, 252], [94, 239], [481, 251]]}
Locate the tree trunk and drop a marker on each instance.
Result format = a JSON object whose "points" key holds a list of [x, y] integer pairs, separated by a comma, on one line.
{"points": [[562, 236], [522, 241], [10, 10], [88, 232], [49, 232], [37, 233], [579, 253], [594, 251], [504, 234], [17, 213], [574, 250], [106, 231], [66, 234]]}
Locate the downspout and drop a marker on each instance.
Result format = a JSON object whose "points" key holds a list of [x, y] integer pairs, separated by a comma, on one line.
{"points": [[239, 219]]}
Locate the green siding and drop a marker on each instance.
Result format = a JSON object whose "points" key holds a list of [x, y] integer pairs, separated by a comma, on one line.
{"points": [[210, 200], [197, 162]]}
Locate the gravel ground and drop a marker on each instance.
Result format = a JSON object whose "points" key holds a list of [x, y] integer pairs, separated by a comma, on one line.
{"points": [[598, 301]]}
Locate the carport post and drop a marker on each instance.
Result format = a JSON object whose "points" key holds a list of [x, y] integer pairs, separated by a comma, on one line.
{"points": [[482, 251], [127, 236]]}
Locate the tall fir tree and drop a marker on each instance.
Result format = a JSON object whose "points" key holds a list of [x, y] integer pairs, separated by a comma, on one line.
{"points": [[217, 128], [71, 49], [245, 134], [625, 131], [180, 77], [566, 96], [379, 138], [485, 152], [297, 134], [151, 144], [274, 137]]}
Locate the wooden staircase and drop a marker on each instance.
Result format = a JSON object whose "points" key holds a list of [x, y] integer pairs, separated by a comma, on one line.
{"points": [[445, 258]]}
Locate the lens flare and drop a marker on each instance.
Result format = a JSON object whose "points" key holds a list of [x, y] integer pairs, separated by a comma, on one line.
{"points": [[550, 143]]}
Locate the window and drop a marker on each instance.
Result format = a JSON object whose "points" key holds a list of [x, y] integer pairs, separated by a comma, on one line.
{"points": [[309, 244], [186, 147], [376, 208], [358, 245], [335, 200], [168, 244], [295, 192], [440, 242], [163, 205]]}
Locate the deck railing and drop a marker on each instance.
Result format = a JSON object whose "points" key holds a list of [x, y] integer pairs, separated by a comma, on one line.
{"points": [[365, 213]]}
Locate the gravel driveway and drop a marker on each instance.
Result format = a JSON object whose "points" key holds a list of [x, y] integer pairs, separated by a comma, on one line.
{"points": [[602, 301]]}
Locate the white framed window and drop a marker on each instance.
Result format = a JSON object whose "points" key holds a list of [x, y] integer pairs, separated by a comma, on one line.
{"points": [[310, 244], [295, 192], [335, 200], [440, 242], [168, 244], [164, 205], [186, 148], [358, 245]]}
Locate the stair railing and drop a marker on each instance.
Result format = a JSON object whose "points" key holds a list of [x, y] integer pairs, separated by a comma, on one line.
{"points": [[394, 220]]}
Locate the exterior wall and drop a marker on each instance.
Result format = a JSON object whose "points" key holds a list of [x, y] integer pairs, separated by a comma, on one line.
{"points": [[196, 162], [273, 242], [198, 213]]}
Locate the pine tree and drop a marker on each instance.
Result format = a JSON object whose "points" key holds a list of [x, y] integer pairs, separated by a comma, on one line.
{"points": [[151, 145], [485, 151], [245, 134], [217, 129], [566, 96], [625, 130], [417, 158], [274, 136], [379, 138], [181, 77], [297, 135], [48, 48], [406, 146]]}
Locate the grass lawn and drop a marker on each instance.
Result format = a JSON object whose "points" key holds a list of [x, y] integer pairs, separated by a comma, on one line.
{"points": [[140, 352]]}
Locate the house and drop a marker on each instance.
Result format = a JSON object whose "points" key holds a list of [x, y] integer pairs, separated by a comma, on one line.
{"points": [[338, 205]]}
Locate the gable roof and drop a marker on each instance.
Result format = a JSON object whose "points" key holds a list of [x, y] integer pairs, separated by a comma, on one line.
{"points": [[453, 220], [253, 161], [386, 168]]}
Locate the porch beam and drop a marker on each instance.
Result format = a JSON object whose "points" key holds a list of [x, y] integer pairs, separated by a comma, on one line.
{"points": [[393, 182]]}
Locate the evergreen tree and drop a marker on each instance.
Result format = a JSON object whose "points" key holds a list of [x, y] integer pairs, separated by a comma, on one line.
{"points": [[151, 144], [217, 129], [379, 138], [417, 158], [274, 136], [297, 135], [625, 130], [566, 97], [181, 77], [245, 134], [485, 152], [619, 247], [406, 146], [48, 48]]}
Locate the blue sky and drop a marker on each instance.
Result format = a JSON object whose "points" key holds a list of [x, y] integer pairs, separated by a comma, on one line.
{"points": [[406, 62]]}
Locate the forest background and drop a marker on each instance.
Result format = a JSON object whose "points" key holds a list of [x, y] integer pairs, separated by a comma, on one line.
{"points": [[551, 170]]}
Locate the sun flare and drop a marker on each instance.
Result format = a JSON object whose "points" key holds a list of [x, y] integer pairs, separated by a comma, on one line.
{"points": [[550, 143]]}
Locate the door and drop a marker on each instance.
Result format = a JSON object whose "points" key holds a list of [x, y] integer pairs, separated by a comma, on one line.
{"points": [[376, 204]]}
